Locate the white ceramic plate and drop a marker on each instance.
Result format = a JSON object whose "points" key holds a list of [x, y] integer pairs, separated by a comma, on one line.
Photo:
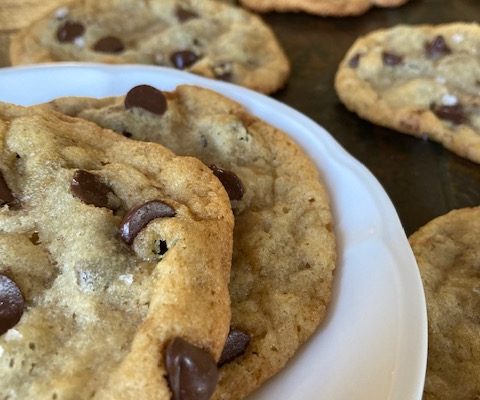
{"points": [[373, 345]]}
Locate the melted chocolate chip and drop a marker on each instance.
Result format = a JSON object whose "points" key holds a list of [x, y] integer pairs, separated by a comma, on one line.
{"points": [[192, 372], [148, 98], [109, 44], [183, 59], [69, 31], [437, 48], [391, 59], [454, 114], [231, 182], [6, 196], [354, 61], [184, 15], [162, 247], [90, 189], [139, 217], [235, 345], [11, 304]]}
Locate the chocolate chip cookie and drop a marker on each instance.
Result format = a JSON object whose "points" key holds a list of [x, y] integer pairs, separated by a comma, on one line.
{"points": [[420, 80], [321, 7], [114, 264], [209, 38], [448, 255], [284, 245]]}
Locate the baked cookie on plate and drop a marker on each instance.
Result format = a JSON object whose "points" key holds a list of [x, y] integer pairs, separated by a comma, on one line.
{"points": [[206, 37], [321, 7], [420, 80], [448, 255], [284, 245], [114, 264]]}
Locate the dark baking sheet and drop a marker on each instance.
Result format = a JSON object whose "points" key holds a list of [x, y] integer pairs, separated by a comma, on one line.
{"points": [[422, 179]]}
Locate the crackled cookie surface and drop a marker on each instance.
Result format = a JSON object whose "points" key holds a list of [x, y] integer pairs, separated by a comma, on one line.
{"points": [[420, 80], [284, 246], [114, 264], [205, 37], [321, 7], [448, 255]]}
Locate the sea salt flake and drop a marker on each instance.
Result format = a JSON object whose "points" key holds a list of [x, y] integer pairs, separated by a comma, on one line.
{"points": [[158, 59], [86, 281], [127, 279], [13, 334], [458, 38], [61, 12], [1, 351], [79, 42], [449, 100]]}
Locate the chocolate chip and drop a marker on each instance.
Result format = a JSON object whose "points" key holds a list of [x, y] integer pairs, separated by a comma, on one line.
{"points": [[139, 217], [437, 48], [183, 59], [231, 182], [127, 134], [109, 44], [162, 247], [35, 239], [184, 15], [148, 98], [391, 59], [6, 196], [354, 61], [11, 304], [90, 189], [235, 345], [192, 372], [69, 31], [454, 113]]}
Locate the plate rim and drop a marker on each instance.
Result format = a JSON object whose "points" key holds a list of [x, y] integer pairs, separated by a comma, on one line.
{"points": [[338, 153]]}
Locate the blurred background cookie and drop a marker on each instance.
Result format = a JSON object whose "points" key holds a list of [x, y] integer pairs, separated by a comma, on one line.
{"points": [[420, 80], [205, 37], [336, 8], [447, 250]]}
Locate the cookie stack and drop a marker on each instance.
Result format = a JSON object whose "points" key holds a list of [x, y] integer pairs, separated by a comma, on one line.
{"points": [[187, 275], [131, 296]]}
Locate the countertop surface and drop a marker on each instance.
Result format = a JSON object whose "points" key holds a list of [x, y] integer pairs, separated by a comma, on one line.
{"points": [[423, 179]]}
